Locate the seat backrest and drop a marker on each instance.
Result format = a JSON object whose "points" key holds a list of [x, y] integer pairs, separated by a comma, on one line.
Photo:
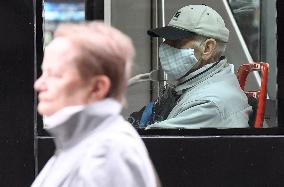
{"points": [[259, 95]]}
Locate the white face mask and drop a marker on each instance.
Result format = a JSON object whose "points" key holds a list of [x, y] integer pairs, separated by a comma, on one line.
{"points": [[176, 62]]}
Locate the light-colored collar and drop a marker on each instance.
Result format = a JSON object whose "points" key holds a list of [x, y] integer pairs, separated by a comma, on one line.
{"points": [[61, 116], [70, 125], [201, 74]]}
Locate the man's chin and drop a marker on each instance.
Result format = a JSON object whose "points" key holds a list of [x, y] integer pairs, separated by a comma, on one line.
{"points": [[44, 110]]}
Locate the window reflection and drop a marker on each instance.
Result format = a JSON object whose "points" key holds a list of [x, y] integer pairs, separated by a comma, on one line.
{"points": [[59, 11], [144, 15], [247, 15], [56, 12]]}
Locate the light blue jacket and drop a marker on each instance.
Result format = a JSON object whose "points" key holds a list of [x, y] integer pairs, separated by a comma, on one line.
{"points": [[211, 98]]}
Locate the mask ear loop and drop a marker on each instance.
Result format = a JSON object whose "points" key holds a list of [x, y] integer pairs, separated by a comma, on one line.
{"points": [[201, 45], [198, 60]]}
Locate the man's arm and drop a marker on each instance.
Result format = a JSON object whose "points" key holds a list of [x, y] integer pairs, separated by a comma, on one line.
{"points": [[192, 115]]}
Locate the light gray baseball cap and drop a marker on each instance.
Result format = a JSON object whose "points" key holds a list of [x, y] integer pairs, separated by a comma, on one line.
{"points": [[199, 19]]}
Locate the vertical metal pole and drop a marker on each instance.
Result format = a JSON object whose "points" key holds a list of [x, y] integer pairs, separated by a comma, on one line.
{"points": [[162, 24], [107, 11], [158, 20], [268, 42], [268, 51], [162, 13], [154, 48]]}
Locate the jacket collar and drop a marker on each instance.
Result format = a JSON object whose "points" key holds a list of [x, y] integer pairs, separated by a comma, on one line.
{"points": [[200, 75], [79, 124]]}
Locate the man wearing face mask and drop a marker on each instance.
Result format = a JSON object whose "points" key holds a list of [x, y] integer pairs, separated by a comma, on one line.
{"points": [[208, 91]]}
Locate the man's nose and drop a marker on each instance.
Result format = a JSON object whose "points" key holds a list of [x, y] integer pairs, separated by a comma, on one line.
{"points": [[39, 84]]}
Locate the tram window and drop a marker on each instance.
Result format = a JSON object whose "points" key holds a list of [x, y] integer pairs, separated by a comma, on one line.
{"points": [[247, 15], [253, 18], [248, 36], [256, 20]]}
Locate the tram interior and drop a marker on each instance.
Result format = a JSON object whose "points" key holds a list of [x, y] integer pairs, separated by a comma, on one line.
{"points": [[252, 25]]}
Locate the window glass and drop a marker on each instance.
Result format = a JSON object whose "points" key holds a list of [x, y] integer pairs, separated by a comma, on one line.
{"points": [[247, 15], [256, 20], [186, 107], [56, 12], [153, 96]]}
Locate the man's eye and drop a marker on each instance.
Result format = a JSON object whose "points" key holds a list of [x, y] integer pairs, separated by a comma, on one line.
{"points": [[51, 74], [56, 75]]}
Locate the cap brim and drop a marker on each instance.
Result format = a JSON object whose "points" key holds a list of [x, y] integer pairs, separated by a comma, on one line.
{"points": [[170, 33]]}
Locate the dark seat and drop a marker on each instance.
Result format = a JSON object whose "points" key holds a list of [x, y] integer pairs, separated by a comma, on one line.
{"points": [[256, 99], [252, 101]]}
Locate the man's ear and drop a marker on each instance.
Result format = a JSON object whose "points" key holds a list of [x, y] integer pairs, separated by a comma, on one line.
{"points": [[100, 87], [209, 49]]}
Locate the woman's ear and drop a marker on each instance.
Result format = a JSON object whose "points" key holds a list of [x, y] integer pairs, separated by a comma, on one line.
{"points": [[209, 49], [100, 87]]}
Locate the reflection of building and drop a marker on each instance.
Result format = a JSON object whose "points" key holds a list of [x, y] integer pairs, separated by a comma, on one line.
{"points": [[56, 12], [64, 11]]}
